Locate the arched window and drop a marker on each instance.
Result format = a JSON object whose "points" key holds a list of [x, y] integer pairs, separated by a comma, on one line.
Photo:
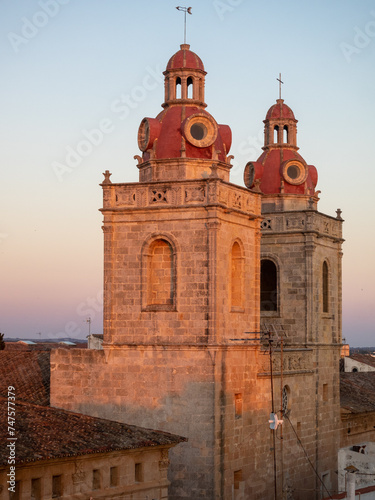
{"points": [[189, 83], [268, 286], [159, 282], [236, 276], [178, 88], [285, 134], [276, 134], [325, 287]]}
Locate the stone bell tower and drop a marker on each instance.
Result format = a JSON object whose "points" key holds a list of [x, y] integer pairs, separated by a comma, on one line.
{"points": [[301, 277], [181, 281], [194, 267]]}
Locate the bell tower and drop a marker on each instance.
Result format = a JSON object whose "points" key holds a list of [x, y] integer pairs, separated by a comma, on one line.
{"points": [[301, 275], [181, 281]]}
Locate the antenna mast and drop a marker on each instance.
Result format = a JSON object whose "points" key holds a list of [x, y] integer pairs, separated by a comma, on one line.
{"points": [[184, 10]]}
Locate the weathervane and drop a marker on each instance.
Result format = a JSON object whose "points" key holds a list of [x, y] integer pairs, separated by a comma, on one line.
{"points": [[280, 82], [188, 10]]}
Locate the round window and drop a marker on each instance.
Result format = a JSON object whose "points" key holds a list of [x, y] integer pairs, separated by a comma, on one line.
{"points": [[293, 171], [198, 131], [249, 175], [144, 135]]}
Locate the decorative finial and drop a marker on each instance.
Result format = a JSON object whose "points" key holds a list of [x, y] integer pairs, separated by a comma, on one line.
{"points": [[280, 82], [338, 214], [107, 176], [188, 10]]}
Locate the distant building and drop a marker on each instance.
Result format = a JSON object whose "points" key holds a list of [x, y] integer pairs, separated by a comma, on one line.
{"points": [[359, 363], [95, 341]]}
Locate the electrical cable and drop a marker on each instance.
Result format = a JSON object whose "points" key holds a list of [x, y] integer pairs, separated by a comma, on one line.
{"points": [[307, 457]]}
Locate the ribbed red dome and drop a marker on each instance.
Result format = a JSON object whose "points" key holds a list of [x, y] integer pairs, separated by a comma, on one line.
{"points": [[280, 110], [185, 58]]}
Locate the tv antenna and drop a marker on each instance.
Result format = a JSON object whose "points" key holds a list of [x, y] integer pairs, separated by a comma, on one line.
{"points": [[184, 10], [88, 320]]}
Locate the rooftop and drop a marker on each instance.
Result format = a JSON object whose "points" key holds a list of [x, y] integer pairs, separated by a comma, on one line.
{"points": [[28, 372], [45, 433], [357, 391]]}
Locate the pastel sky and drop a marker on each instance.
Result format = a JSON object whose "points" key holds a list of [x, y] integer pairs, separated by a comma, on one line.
{"points": [[93, 68]]}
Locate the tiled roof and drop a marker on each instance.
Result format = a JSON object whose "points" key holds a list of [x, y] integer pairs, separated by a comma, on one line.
{"points": [[367, 359], [28, 372], [357, 391], [47, 433]]}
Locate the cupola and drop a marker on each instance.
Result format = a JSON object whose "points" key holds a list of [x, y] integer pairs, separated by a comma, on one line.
{"points": [[280, 170], [184, 140], [184, 78]]}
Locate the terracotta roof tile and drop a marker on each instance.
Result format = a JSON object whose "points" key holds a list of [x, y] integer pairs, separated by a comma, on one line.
{"points": [[367, 359], [357, 391], [28, 372], [46, 433]]}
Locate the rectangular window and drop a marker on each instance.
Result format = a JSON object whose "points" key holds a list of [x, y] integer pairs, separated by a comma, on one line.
{"points": [[325, 392], [16, 494], [237, 478], [138, 473], [36, 489], [238, 405], [96, 482], [113, 476], [56, 486]]}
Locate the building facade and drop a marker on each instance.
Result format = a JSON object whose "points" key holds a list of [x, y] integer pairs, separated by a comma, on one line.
{"points": [[214, 294]]}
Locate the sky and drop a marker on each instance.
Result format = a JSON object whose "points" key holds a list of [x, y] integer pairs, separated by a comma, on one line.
{"points": [[79, 76]]}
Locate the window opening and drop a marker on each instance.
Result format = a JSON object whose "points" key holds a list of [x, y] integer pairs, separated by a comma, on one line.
{"points": [[160, 281], [36, 488], [325, 287], [138, 473], [285, 134], [113, 476], [190, 87], [236, 276], [56, 486], [96, 479], [276, 134], [178, 88], [268, 286]]}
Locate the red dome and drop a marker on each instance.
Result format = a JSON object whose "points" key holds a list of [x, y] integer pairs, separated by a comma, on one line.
{"points": [[280, 110], [168, 128], [185, 58], [273, 172]]}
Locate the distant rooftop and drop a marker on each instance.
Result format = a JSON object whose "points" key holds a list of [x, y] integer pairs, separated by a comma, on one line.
{"points": [[357, 392], [367, 359], [44, 344]]}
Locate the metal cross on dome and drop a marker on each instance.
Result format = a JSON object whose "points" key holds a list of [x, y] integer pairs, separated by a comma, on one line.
{"points": [[184, 10], [280, 82]]}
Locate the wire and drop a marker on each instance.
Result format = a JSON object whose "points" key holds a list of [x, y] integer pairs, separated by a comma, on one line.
{"points": [[307, 457]]}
